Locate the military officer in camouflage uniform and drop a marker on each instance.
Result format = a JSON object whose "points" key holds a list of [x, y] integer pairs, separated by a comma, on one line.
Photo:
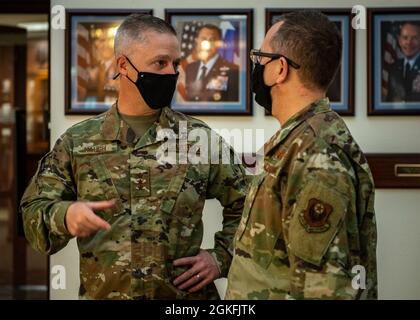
{"points": [[138, 220], [308, 228]]}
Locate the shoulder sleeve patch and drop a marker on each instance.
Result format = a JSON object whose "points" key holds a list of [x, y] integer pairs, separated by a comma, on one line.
{"points": [[315, 217], [315, 221]]}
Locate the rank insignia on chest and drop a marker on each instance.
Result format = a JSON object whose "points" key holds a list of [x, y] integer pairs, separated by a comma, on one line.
{"points": [[219, 83], [315, 216]]}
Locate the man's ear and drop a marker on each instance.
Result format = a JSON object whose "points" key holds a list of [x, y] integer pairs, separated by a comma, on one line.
{"points": [[282, 70], [122, 65]]}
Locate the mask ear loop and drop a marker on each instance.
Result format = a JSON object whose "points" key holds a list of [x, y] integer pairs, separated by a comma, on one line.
{"points": [[118, 74], [131, 64]]}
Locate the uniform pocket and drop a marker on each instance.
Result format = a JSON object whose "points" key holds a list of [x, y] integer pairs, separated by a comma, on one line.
{"points": [[94, 183], [253, 190], [261, 225], [170, 195], [179, 209]]}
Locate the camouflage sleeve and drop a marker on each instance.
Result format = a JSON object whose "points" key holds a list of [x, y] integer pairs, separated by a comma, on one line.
{"points": [[46, 199], [319, 253], [227, 183]]}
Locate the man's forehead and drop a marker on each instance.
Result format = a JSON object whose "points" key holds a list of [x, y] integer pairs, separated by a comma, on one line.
{"points": [[157, 40], [271, 32], [208, 31], [275, 27], [149, 53], [408, 27], [149, 36]]}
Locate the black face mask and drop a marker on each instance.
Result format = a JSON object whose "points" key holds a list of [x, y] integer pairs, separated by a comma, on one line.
{"points": [[156, 89], [261, 90]]}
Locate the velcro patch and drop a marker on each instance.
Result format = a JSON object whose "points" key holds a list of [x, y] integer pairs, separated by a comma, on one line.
{"points": [[315, 217]]}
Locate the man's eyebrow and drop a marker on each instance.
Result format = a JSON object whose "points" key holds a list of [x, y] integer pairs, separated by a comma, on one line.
{"points": [[162, 57]]}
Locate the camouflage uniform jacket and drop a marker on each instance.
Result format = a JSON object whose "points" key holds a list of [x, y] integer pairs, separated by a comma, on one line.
{"points": [[158, 212], [309, 217]]}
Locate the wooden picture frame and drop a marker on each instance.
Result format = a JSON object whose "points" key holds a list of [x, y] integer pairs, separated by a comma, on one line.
{"points": [[89, 58], [390, 92]]}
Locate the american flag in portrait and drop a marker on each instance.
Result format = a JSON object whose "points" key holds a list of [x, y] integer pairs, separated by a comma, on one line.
{"points": [[188, 53], [83, 60], [391, 52]]}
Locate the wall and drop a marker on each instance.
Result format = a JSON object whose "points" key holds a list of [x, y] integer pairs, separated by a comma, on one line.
{"points": [[397, 210]]}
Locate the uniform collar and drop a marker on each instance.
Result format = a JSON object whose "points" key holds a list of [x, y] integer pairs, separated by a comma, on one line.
{"points": [[319, 106], [412, 61], [209, 63], [115, 128]]}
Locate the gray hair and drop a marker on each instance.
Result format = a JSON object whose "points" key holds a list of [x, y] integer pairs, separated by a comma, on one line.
{"points": [[132, 29]]}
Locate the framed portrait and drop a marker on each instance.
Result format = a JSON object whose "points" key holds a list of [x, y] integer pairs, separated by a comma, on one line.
{"points": [[90, 64], [214, 74], [394, 61], [341, 90]]}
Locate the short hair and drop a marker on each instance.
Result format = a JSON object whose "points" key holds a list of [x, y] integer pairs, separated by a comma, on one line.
{"points": [[134, 27], [410, 22], [311, 40], [211, 27]]}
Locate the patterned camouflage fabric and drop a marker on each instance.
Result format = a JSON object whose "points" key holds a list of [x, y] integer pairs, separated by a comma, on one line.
{"points": [[158, 212], [309, 217]]}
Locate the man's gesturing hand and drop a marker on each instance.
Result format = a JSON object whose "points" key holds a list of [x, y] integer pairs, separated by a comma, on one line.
{"points": [[203, 271], [81, 219]]}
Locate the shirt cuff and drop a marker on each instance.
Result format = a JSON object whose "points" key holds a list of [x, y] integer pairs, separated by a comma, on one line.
{"points": [[58, 218], [222, 260]]}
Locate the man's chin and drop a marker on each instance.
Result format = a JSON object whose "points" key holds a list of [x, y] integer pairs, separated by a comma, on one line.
{"points": [[410, 54]]}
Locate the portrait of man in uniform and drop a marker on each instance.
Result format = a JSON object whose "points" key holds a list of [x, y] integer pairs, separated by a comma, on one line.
{"points": [[211, 77], [394, 53], [404, 73], [214, 72]]}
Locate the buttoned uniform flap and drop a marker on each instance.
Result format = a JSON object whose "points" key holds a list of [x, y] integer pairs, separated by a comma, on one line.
{"points": [[261, 237], [317, 216], [253, 190], [173, 190], [94, 180]]}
